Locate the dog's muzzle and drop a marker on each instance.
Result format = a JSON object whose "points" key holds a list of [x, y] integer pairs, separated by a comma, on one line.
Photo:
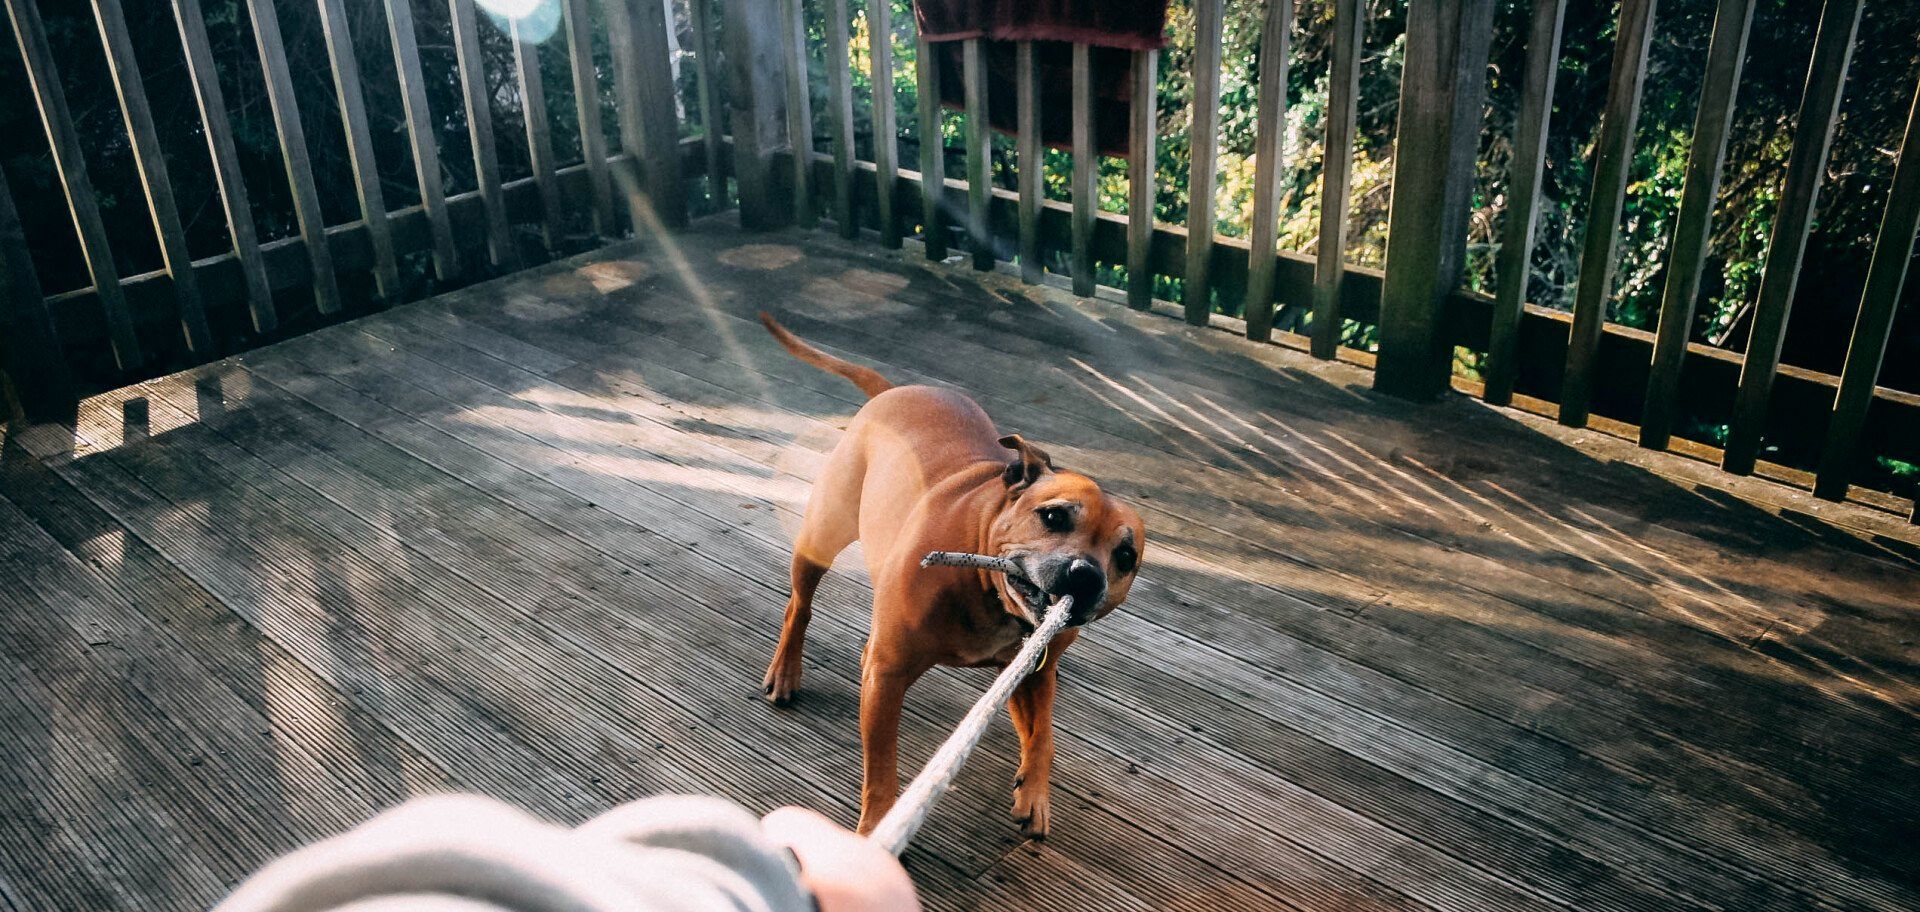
{"points": [[1087, 583]]}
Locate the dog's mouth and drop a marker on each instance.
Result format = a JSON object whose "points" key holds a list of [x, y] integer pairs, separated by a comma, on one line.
{"points": [[1029, 601]]}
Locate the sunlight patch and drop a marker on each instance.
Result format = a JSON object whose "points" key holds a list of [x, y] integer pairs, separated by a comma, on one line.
{"points": [[760, 257]]}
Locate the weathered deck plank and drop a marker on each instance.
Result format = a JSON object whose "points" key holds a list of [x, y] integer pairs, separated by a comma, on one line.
{"points": [[1368, 667]]}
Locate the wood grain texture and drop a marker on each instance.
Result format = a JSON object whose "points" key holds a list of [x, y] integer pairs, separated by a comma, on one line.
{"points": [[586, 101], [1613, 158], [478, 103], [352, 103], [840, 100], [1514, 264], [1694, 226], [1208, 21], [1336, 175], [234, 204], [1879, 302], [1032, 161], [533, 114], [1269, 121], [886, 134], [793, 49], [152, 164], [1086, 164], [434, 525], [978, 133], [1143, 129], [30, 35], [707, 88], [422, 135], [1806, 170]]}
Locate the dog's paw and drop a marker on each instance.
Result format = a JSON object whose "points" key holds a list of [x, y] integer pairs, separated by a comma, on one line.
{"points": [[1032, 808], [782, 682]]}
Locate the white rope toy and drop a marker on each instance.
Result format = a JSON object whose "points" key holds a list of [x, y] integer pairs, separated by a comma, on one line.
{"points": [[896, 829]]}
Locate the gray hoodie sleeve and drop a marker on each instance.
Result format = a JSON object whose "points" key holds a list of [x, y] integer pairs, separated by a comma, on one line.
{"points": [[462, 853]]}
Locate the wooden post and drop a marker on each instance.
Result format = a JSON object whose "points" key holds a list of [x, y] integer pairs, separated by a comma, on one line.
{"points": [[421, 136], [1336, 178], [29, 344], [1268, 125], [973, 73], [644, 92], [152, 163], [1514, 265], [1032, 156], [933, 151], [226, 162], [1142, 153], [1613, 156], [840, 96], [479, 107], [793, 50], [700, 17], [533, 116], [586, 100], [1442, 89], [1694, 227], [1892, 252], [69, 161], [886, 138], [366, 171], [1085, 163], [1208, 20], [758, 107], [1806, 168]]}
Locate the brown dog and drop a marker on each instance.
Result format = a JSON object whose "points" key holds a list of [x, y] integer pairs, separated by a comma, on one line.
{"points": [[922, 469]]}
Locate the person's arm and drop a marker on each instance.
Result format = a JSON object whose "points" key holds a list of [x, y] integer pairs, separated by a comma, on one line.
{"points": [[668, 854]]}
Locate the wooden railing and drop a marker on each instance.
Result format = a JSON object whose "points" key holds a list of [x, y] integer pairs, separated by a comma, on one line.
{"points": [[1575, 366]]}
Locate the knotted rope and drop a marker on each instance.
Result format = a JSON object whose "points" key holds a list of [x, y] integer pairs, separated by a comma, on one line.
{"points": [[896, 829]]}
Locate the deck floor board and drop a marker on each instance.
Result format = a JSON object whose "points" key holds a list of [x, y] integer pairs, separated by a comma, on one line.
{"points": [[1383, 655]]}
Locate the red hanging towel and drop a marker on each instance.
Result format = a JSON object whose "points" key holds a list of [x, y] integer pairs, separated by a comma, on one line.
{"points": [[1114, 28]]}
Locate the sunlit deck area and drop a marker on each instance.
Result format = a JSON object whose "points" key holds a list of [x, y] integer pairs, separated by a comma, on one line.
{"points": [[530, 539]]}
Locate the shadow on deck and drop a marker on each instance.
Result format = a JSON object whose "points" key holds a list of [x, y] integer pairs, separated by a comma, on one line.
{"points": [[529, 539]]}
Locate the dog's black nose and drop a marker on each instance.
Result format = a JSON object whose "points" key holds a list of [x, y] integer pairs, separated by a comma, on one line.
{"points": [[1087, 583]]}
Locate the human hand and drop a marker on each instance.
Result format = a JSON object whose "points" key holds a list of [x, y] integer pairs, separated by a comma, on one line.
{"points": [[845, 871]]}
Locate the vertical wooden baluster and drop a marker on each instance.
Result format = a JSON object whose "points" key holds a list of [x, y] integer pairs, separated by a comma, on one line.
{"points": [[933, 152], [1032, 155], [1272, 115], [799, 110], [1208, 20], [1886, 276], [533, 109], [51, 100], [1613, 157], [1442, 98], [226, 163], [366, 171], [586, 99], [1806, 166], [1336, 176], [152, 163], [1514, 264], [839, 86], [420, 135], [479, 106], [1694, 226], [1142, 150], [1086, 163], [700, 17], [28, 339], [649, 124], [886, 157], [979, 154]]}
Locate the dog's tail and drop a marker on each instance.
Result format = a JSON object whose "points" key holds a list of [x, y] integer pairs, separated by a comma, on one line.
{"points": [[867, 379]]}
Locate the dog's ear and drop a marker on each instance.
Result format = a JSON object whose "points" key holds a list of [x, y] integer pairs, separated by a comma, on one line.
{"points": [[1029, 463]]}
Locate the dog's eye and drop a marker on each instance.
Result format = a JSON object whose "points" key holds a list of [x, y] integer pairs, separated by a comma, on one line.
{"points": [[1125, 558], [1057, 519]]}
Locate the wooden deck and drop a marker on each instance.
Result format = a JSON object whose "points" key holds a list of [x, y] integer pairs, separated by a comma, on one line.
{"points": [[530, 539]]}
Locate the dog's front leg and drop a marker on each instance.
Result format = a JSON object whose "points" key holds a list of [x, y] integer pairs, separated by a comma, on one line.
{"points": [[1032, 710], [883, 687]]}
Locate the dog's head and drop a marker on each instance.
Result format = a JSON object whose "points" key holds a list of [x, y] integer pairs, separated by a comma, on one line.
{"points": [[1072, 538]]}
